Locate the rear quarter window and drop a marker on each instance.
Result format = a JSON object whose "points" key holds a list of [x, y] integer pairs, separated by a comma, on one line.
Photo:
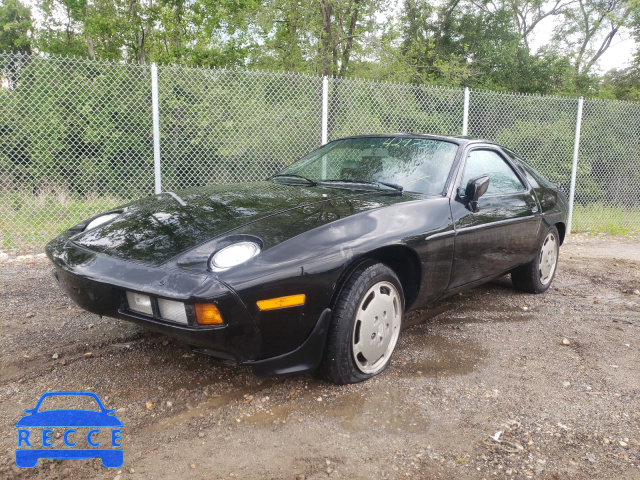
{"points": [[533, 176]]}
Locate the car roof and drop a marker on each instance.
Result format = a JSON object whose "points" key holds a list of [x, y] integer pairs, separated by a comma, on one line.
{"points": [[457, 139], [71, 393]]}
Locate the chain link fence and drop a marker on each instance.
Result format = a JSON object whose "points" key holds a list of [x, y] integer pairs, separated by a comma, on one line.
{"points": [[223, 126], [359, 107], [76, 136], [608, 172], [75, 139], [540, 129]]}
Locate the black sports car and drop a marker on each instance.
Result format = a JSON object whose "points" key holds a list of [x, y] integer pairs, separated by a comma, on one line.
{"points": [[314, 268]]}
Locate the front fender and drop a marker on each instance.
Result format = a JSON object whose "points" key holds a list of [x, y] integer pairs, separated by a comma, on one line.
{"points": [[313, 262]]}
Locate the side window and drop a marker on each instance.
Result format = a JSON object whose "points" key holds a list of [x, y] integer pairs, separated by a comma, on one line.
{"points": [[486, 162]]}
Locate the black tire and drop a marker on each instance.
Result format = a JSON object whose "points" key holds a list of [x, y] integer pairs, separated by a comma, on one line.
{"points": [[537, 275], [369, 307]]}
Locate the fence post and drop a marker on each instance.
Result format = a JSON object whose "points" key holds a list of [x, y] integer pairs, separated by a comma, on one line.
{"points": [[465, 114], [156, 127], [325, 109], [574, 166]]}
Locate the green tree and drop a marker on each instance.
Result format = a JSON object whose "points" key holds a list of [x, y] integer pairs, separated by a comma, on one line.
{"points": [[458, 44], [16, 27], [622, 84], [589, 28]]}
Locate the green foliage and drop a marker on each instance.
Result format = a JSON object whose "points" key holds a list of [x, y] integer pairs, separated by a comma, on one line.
{"points": [[622, 84], [366, 107], [607, 147], [449, 43], [219, 125], [77, 125], [15, 27], [546, 146]]}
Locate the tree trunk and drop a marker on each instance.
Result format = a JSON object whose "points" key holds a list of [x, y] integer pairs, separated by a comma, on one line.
{"points": [[90, 48], [140, 47], [326, 37], [346, 52]]}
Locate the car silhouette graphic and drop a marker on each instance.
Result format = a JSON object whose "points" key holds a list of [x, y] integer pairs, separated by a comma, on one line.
{"points": [[28, 452]]}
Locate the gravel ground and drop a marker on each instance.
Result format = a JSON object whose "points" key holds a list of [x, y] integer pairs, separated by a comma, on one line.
{"points": [[491, 360]]}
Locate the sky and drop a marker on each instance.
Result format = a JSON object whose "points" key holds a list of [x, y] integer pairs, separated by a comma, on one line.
{"points": [[619, 55]]}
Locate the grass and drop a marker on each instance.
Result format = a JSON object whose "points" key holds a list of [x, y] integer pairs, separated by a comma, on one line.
{"points": [[28, 220], [612, 220]]}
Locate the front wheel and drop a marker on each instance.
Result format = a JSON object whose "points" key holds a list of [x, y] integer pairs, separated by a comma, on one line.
{"points": [[537, 275], [365, 326]]}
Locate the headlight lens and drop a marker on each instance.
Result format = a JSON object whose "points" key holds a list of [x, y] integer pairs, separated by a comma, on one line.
{"points": [[233, 255], [96, 222]]}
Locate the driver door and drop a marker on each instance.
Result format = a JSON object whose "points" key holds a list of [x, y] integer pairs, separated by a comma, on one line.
{"points": [[502, 233]]}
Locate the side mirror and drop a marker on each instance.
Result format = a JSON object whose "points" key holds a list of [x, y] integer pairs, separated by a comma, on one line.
{"points": [[476, 187]]}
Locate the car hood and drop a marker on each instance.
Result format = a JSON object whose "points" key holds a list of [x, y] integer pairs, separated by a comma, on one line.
{"points": [[156, 229]]}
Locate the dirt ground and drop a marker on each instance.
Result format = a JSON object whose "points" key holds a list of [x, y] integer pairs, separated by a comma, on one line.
{"points": [[491, 360]]}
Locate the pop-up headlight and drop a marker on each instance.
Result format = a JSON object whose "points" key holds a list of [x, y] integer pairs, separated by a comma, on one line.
{"points": [[233, 255], [96, 222]]}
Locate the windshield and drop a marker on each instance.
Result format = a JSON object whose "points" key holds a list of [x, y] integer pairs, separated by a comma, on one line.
{"points": [[416, 164], [64, 402]]}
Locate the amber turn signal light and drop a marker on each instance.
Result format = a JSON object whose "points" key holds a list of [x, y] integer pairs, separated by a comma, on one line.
{"points": [[208, 314], [281, 302]]}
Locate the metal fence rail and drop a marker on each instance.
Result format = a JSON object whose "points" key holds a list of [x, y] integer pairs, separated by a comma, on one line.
{"points": [[77, 136]]}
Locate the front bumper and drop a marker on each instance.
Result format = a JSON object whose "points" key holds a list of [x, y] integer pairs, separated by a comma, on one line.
{"points": [[98, 283]]}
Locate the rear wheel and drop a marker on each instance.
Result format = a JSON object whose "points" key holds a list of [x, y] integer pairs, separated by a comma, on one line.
{"points": [[537, 275], [365, 325]]}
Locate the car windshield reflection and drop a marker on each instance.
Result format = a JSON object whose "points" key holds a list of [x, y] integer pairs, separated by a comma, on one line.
{"points": [[413, 164]]}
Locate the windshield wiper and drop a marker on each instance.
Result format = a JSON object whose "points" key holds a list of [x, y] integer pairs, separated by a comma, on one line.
{"points": [[313, 183], [365, 182]]}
